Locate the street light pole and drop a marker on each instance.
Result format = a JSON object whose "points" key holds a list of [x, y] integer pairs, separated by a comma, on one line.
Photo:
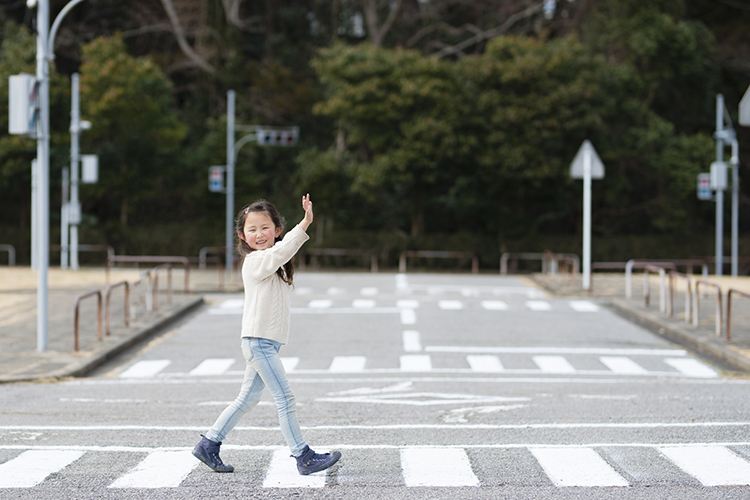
{"points": [[229, 254], [42, 155]]}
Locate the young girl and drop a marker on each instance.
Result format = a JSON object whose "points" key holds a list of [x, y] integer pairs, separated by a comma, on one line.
{"points": [[267, 274]]}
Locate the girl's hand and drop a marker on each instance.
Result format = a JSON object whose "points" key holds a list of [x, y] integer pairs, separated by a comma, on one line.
{"points": [[307, 206]]}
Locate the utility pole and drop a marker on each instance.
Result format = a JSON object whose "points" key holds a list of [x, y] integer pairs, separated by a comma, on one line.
{"points": [[719, 192], [230, 186]]}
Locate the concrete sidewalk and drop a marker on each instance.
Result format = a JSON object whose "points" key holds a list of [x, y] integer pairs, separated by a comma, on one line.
{"points": [[20, 359], [609, 288]]}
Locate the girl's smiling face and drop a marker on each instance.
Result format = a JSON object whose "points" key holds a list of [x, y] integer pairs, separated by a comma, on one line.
{"points": [[259, 231]]}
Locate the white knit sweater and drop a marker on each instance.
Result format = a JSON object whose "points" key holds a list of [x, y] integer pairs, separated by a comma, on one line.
{"points": [[266, 312]]}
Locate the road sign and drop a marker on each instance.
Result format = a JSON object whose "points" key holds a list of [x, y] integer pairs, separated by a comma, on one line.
{"points": [[22, 104], [89, 169], [597, 167], [216, 178], [745, 109], [704, 186]]}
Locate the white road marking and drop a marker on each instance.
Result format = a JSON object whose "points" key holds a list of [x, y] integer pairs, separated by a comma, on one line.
{"points": [[577, 467], [212, 366], [485, 363], [369, 291], [32, 467], [407, 304], [692, 368], [408, 316], [348, 364], [145, 369], [415, 363], [712, 465], [557, 350], [160, 469], [282, 473], [494, 305], [363, 304], [553, 364], [437, 466], [623, 365], [289, 364], [232, 304], [583, 306], [450, 305], [538, 305], [420, 399], [336, 291], [320, 304], [411, 341]]}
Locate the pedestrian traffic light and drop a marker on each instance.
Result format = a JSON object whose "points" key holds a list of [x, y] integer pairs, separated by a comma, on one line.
{"points": [[277, 136]]}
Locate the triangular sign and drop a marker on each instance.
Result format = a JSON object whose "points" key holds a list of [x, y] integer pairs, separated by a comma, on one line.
{"points": [[597, 167], [745, 109]]}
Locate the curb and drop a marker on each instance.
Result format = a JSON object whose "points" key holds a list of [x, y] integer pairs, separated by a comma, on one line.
{"points": [[83, 367], [709, 347]]}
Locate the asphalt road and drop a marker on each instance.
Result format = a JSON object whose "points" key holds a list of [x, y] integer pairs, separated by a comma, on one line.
{"points": [[432, 386]]}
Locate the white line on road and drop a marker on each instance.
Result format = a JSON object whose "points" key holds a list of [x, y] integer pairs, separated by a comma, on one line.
{"points": [[577, 467], [712, 465], [553, 364], [557, 350], [411, 341], [145, 369], [282, 473], [212, 366], [160, 469], [32, 467], [691, 368], [415, 363], [289, 364], [450, 305], [583, 306], [623, 365], [408, 316], [538, 305], [494, 305], [348, 364], [485, 363], [437, 466]]}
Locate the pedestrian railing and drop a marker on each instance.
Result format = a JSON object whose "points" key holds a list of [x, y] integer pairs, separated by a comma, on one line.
{"points": [[696, 304], [126, 307], [662, 286], [434, 254], [155, 271], [338, 252], [76, 320], [673, 276], [729, 308], [109, 250], [184, 261], [11, 253], [203, 255]]}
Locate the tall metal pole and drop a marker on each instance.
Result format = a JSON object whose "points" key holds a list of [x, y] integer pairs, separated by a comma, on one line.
{"points": [[64, 219], [586, 218], [42, 155], [735, 161], [719, 192], [75, 129], [230, 186]]}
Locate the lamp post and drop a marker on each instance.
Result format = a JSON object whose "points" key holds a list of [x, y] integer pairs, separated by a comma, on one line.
{"points": [[45, 43]]}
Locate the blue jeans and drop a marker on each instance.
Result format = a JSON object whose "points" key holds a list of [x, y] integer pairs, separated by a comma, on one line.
{"points": [[263, 368]]}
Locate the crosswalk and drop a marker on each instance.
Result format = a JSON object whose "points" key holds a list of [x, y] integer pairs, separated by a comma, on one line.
{"points": [[604, 465], [612, 362]]}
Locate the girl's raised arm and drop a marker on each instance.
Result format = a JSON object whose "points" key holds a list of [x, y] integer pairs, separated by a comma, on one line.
{"points": [[307, 206]]}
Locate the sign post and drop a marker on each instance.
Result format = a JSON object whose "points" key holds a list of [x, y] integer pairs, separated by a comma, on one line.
{"points": [[587, 166]]}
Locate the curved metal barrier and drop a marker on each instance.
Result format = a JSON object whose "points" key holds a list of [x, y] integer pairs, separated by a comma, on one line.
{"points": [[696, 304], [76, 315], [126, 308], [433, 254], [729, 308]]}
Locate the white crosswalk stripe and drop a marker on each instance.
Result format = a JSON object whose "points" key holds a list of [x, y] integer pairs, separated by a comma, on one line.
{"points": [[145, 369], [577, 467], [212, 367], [348, 364], [484, 363], [435, 466], [691, 367], [415, 363], [553, 364], [33, 466], [713, 465], [623, 365], [160, 469]]}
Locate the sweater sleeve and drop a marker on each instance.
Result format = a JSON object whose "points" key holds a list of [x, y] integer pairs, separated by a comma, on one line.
{"points": [[261, 264]]}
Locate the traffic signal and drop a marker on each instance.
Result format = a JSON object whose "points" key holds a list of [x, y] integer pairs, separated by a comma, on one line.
{"points": [[276, 136]]}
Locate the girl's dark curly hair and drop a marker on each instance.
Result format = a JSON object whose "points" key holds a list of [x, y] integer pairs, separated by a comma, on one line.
{"points": [[285, 272]]}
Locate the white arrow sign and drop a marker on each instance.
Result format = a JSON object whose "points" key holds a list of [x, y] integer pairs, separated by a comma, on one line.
{"points": [[597, 167], [587, 165], [745, 109]]}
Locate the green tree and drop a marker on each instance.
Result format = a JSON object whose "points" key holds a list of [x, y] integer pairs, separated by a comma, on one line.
{"points": [[135, 122]]}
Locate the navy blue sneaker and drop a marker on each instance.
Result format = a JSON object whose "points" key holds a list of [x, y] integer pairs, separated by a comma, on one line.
{"points": [[207, 451], [310, 462]]}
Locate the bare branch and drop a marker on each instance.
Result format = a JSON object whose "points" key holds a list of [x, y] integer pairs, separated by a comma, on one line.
{"points": [[486, 35], [444, 27], [232, 12], [179, 33], [378, 32]]}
